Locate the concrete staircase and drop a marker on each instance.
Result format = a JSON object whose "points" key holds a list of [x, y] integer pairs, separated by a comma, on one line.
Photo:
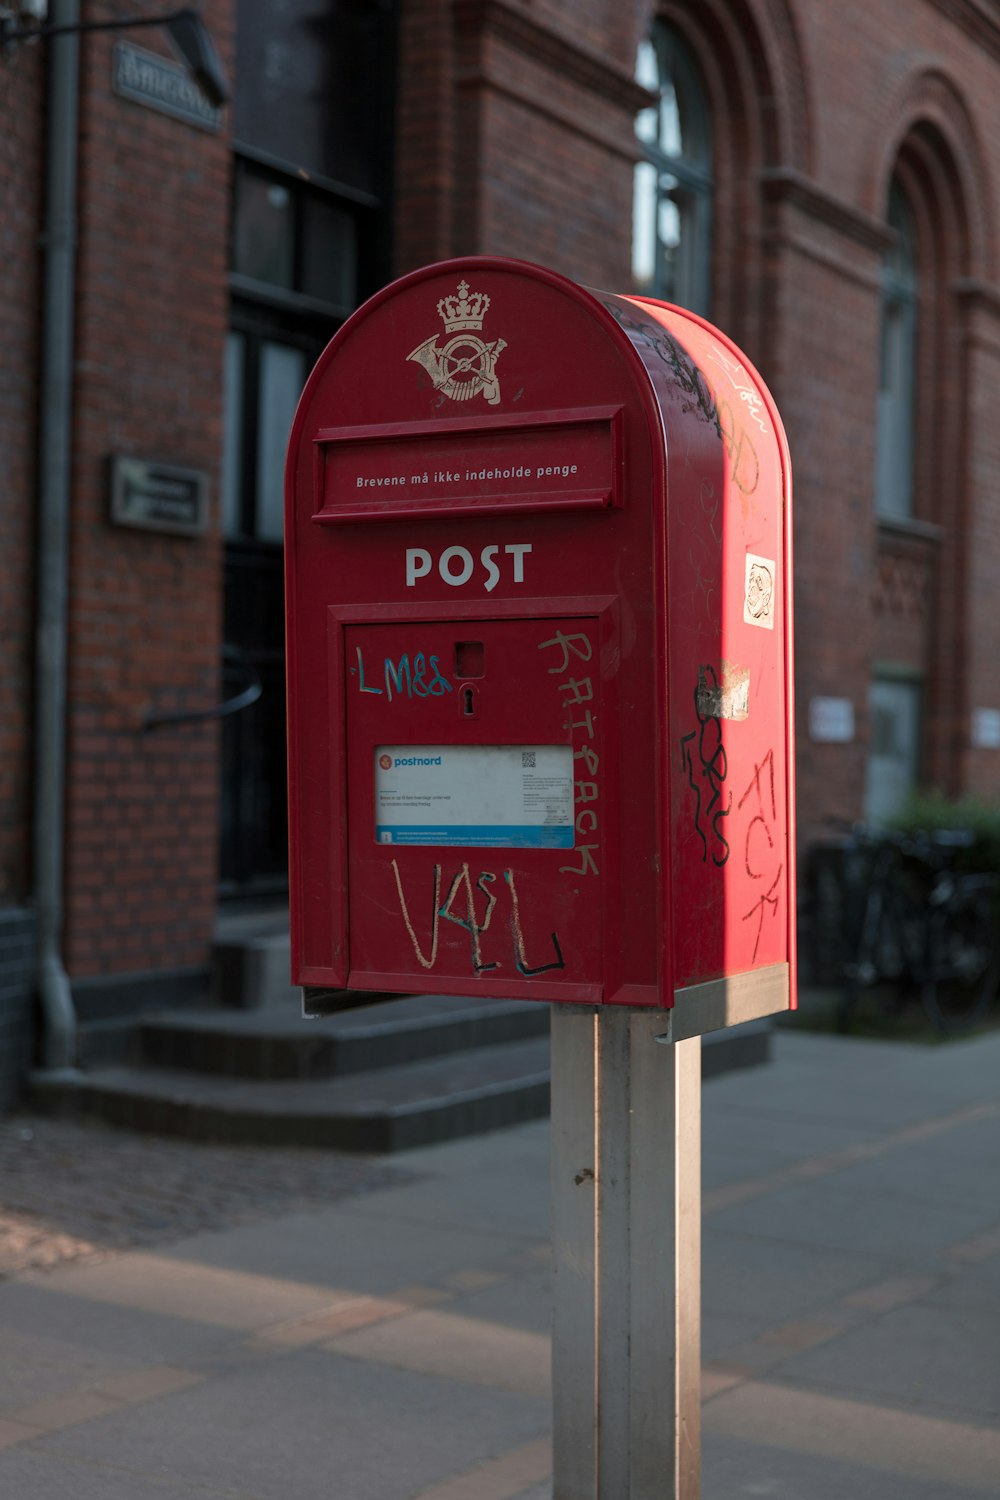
{"points": [[385, 1075]]}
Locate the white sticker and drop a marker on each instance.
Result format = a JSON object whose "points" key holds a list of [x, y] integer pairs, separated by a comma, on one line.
{"points": [[758, 592], [986, 728], [486, 796], [831, 721]]}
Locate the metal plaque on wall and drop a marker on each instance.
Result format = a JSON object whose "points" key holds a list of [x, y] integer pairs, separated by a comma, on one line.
{"points": [[160, 84], [158, 497]]}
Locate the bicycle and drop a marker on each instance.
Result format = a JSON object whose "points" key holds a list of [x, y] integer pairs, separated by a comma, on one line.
{"points": [[922, 924]]}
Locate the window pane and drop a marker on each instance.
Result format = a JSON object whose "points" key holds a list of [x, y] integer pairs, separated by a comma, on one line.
{"points": [[647, 72], [647, 69], [644, 228], [232, 437], [668, 234], [894, 750], [677, 145], [894, 433], [692, 263], [694, 140], [670, 120], [282, 376], [895, 415], [264, 229], [329, 252], [902, 259]]}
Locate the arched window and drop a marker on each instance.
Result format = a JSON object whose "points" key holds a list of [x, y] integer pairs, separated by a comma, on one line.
{"points": [[896, 700], [895, 428], [672, 204]]}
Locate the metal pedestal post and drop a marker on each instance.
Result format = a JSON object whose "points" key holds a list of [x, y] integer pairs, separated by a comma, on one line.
{"points": [[626, 1239]]}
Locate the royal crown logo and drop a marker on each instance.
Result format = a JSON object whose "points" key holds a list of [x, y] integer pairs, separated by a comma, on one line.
{"points": [[466, 365], [463, 311]]}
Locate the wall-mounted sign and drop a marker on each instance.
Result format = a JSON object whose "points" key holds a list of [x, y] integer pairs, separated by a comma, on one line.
{"points": [[986, 728], [831, 721], [493, 796], [158, 497], [160, 84]]}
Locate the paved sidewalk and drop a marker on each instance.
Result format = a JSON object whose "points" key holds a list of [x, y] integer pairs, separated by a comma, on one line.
{"points": [[72, 1191], [393, 1344]]}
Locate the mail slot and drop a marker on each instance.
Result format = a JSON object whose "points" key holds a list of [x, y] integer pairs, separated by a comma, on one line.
{"points": [[539, 654]]}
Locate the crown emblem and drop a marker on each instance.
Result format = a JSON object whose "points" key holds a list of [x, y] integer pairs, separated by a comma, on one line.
{"points": [[466, 366], [463, 311]]}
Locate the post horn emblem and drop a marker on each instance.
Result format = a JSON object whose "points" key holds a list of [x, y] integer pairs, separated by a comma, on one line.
{"points": [[466, 365]]}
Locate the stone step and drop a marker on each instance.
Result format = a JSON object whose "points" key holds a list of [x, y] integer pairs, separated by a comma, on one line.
{"points": [[389, 1109], [107, 1042], [396, 1108], [251, 963], [275, 1043]]}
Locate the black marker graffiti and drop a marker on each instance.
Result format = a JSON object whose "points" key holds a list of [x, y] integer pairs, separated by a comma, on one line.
{"points": [[518, 936], [711, 767], [687, 376]]}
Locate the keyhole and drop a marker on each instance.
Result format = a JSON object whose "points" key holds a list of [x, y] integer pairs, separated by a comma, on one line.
{"points": [[469, 702]]}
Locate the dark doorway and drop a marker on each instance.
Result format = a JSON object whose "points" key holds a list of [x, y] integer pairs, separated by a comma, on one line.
{"points": [[309, 241], [295, 256], [268, 359]]}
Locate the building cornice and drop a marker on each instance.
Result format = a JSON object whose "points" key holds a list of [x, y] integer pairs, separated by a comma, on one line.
{"points": [[783, 186], [979, 19], [561, 53], [981, 296]]}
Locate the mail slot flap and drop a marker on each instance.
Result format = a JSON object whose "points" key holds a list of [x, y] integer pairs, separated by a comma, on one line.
{"points": [[551, 460]]}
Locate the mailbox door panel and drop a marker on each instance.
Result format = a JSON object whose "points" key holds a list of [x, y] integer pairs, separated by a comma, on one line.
{"points": [[472, 749]]}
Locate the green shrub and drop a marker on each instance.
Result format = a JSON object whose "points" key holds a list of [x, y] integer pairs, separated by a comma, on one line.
{"points": [[931, 812]]}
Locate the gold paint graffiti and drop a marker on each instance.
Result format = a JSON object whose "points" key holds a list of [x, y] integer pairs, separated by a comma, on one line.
{"points": [[476, 929]]}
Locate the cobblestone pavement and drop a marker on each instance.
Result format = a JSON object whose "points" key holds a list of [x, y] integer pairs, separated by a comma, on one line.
{"points": [[71, 1190]]}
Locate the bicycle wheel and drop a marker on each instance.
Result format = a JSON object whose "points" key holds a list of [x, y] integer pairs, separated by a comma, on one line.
{"points": [[962, 966]]}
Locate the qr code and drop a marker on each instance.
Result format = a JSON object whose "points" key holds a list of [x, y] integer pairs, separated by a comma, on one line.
{"points": [[528, 760]]}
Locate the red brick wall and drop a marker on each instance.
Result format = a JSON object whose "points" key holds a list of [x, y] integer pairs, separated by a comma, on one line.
{"points": [[530, 155], [152, 311], [827, 399], [21, 173], [859, 601], [424, 175], [514, 131], [980, 639], [515, 134]]}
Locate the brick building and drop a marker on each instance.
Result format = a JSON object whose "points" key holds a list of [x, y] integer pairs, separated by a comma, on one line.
{"points": [[823, 182]]}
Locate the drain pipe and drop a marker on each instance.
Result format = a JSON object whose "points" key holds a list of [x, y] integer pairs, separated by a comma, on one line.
{"points": [[54, 471]]}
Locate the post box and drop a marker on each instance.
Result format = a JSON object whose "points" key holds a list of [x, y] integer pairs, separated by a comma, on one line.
{"points": [[539, 654]]}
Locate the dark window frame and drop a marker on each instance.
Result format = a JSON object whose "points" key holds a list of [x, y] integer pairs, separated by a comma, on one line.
{"points": [[899, 323], [684, 178], [303, 189]]}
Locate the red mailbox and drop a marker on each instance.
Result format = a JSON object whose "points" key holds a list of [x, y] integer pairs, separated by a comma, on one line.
{"points": [[539, 654]]}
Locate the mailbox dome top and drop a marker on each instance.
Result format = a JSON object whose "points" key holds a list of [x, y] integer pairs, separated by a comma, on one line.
{"points": [[485, 336]]}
